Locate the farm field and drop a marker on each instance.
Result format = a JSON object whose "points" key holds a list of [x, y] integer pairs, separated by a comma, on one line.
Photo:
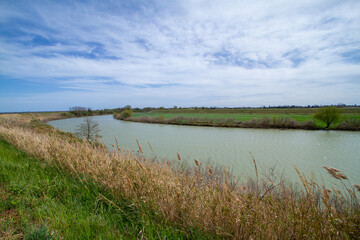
{"points": [[298, 114]]}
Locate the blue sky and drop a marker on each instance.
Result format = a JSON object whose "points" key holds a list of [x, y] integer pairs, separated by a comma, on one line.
{"points": [[107, 54]]}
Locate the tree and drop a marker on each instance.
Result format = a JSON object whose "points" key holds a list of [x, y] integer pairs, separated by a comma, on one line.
{"points": [[89, 129], [127, 107], [78, 109], [126, 113], [328, 115]]}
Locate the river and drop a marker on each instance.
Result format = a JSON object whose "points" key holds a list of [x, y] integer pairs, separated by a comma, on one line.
{"points": [[231, 147]]}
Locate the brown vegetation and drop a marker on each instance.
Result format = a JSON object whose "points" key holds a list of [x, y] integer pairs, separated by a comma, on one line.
{"points": [[349, 124]]}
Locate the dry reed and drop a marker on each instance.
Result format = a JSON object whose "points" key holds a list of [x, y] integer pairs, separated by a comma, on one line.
{"points": [[151, 147], [335, 173]]}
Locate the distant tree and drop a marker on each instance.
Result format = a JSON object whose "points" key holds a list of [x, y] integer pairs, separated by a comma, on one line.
{"points": [[127, 107], [78, 109], [328, 115], [89, 129], [126, 113]]}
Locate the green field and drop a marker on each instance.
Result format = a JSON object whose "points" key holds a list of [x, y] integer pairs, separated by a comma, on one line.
{"points": [[299, 115], [235, 116], [266, 111]]}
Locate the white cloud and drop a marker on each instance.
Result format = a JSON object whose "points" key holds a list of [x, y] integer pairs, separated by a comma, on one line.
{"points": [[209, 52]]}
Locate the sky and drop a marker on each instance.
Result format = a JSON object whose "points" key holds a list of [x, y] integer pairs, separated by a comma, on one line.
{"points": [[160, 53]]}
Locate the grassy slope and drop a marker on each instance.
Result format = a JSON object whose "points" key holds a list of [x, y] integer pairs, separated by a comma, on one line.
{"points": [[38, 199]]}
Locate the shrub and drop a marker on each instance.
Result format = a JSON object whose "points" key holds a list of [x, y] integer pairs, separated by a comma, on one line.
{"points": [[126, 114], [309, 124], [350, 124]]}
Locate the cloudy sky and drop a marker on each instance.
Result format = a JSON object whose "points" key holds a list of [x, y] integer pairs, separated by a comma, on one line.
{"points": [[107, 54]]}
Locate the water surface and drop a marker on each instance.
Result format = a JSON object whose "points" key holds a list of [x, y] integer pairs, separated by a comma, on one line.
{"points": [[231, 147]]}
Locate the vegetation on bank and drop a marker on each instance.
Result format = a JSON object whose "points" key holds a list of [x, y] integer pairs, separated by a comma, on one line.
{"points": [[266, 122], [328, 115], [39, 200], [252, 111], [124, 114], [272, 117], [88, 129], [293, 118], [200, 197]]}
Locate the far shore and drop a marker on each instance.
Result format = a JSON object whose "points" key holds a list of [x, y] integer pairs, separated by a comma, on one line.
{"points": [[265, 123], [292, 118], [282, 118]]}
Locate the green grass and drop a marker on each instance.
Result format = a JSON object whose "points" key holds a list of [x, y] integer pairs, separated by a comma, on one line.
{"points": [[236, 116], [267, 111], [39, 202], [240, 116]]}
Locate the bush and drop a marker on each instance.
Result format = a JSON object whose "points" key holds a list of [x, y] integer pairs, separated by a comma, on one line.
{"points": [[349, 124], [126, 114], [309, 124]]}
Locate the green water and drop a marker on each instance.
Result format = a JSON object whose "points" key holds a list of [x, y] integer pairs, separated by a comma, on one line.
{"points": [[231, 147]]}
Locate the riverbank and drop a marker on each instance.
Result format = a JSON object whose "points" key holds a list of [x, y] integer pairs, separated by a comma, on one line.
{"points": [[284, 118], [196, 198], [265, 122], [24, 118], [40, 197], [40, 201]]}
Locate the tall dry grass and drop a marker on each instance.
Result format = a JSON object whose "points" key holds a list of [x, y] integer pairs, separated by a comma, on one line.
{"points": [[262, 209], [349, 124]]}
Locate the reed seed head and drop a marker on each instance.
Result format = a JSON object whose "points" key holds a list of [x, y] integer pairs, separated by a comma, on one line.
{"points": [[357, 187], [178, 156], [210, 171], [336, 173], [197, 162], [140, 148]]}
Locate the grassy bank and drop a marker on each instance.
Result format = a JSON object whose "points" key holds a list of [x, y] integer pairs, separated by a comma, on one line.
{"points": [[25, 118], [45, 201], [286, 118], [199, 197]]}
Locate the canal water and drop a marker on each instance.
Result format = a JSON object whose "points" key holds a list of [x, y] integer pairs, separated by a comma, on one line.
{"points": [[231, 147]]}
